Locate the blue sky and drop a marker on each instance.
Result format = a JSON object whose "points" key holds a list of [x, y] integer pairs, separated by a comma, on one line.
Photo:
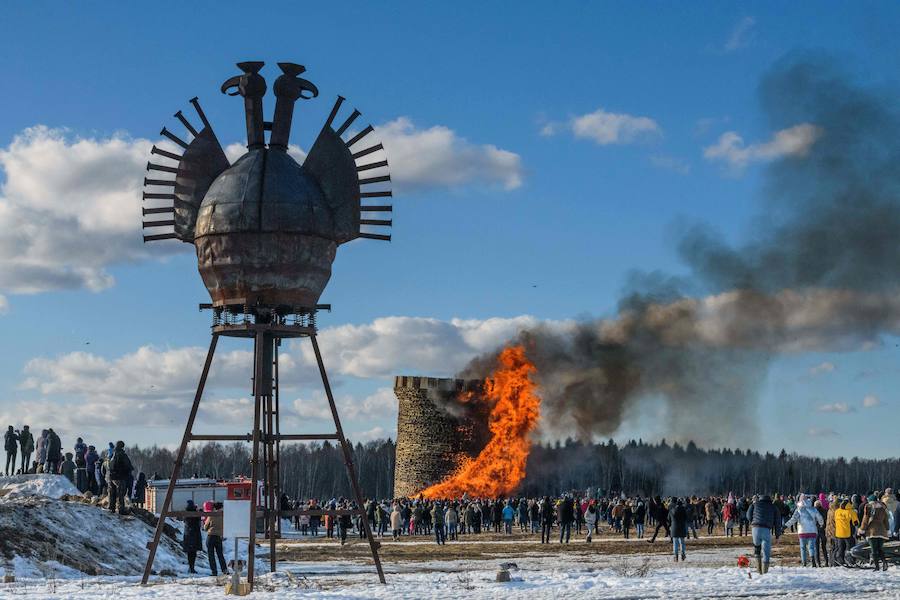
{"points": [[549, 151]]}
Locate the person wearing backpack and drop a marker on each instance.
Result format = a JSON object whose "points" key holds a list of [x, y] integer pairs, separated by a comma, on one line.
{"points": [[119, 471]]}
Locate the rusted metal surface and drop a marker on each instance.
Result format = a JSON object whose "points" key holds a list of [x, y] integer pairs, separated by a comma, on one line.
{"points": [[266, 229]]}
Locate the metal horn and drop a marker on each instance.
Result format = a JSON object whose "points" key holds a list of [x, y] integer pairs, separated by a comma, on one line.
{"points": [[288, 89], [252, 86]]}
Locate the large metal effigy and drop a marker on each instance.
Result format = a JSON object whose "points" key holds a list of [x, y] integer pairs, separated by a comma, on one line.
{"points": [[266, 230]]}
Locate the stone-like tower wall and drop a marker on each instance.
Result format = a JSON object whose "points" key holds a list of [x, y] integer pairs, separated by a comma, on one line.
{"points": [[430, 441]]}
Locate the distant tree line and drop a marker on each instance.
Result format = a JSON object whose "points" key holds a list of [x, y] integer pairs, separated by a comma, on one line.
{"points": [[307, 470], [317, 470]]}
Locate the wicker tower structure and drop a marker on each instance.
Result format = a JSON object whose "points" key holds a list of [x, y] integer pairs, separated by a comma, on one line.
{"points": [[434, 431]]}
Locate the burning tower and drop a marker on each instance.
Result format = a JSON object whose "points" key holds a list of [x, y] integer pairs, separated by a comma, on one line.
{"points": [[435, 430]]}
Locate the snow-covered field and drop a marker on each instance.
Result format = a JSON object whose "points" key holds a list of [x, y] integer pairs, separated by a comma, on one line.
{"points": [[547, 577], [50, 543]]}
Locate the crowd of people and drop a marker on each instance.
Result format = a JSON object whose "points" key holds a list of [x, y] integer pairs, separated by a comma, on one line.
{"points": [[828, 525], [108, 473]]}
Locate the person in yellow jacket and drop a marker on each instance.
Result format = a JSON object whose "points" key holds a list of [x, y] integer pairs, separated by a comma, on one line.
{"points": [[844, 517]]}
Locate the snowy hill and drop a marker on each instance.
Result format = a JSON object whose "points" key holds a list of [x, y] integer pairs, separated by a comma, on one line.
{"points": [[42, 529], [51, 486]]}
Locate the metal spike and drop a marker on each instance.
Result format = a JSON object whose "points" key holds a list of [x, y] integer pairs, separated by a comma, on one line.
{"points": [[161, 236], [385, 194], [347, 123], [150, 166], [170, 223], [374, 165], [367, 151], [381, 208], [180, 116], [378, 179], [387, 222], [172, 155], [200, 113], [334, 111], [158, 182], [369, 129], [151, 196], [375, 236], [174, 138], [157, 211]]}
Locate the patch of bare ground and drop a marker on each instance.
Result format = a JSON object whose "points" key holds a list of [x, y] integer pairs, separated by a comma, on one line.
{"points": [[491, 546]]}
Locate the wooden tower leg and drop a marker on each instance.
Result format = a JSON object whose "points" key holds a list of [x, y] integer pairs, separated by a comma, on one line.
{"points": [[179, 459], [348, 460]]}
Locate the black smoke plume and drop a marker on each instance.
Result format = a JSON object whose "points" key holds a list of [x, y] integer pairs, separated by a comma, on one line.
{"points": [[819, 272]]}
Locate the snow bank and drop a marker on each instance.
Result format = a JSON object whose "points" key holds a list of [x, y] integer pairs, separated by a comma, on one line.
{"points": [[51, 486], [39, 532]]}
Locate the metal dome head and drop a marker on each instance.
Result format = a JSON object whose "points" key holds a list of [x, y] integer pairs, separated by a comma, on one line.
{"points": [[266, 229]]}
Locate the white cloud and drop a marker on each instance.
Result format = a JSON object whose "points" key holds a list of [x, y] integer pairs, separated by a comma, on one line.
{"points": [[821, 432], [791, 142], [836, 407], [4, 305], [741, 34], [380, 405], [413, 345], [70, 207], [154, 387], [871, 401], [607, 128], [825, 367], [438, 157]]}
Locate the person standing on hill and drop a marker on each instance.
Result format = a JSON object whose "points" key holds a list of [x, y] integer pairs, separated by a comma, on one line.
{"points": [[81, 477], [139, 493], [54, 452], [67, 468], [91, 460], [120, 470], [11, 445], [26, 442], [42, 451]]}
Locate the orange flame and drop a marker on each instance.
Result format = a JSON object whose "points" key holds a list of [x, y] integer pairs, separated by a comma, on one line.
{"points": [[500, 466]]}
